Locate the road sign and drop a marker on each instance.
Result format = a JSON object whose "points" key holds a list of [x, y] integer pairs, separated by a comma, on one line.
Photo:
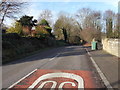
{"points": [[57, 79]]}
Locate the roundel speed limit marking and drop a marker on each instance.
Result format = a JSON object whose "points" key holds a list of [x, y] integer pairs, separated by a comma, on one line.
{"points": [[77, 78], [57, 79]]}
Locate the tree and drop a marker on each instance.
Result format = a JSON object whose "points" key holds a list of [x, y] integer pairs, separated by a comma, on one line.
{"points": [[49, 29], [27, 23], [61, 26], [44, 22], [87, 17], [9, 9], [4, 28], [81, 15], [117, 26], [89, 33], [47, 15], [109, 19], [66, 27], [90, 22], [16, 28], [65, 34]]}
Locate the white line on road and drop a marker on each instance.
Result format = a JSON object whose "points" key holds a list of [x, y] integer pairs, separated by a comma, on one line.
{"points": [[29, 74], [104, 79], [21, 79], [88, 52], [54, 57]]}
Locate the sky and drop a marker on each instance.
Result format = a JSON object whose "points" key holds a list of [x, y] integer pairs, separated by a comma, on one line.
{"points": [[35, 7]]}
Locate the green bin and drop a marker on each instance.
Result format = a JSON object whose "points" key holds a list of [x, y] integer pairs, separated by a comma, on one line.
{"points": [[94, 45]]}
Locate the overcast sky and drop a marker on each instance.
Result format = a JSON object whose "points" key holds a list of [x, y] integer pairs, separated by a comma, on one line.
{"points": [[70, 6]]}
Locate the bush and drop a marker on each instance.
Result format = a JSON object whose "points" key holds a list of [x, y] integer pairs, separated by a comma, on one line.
{"points": [[17, 28], [89, 33], [74, 40]]}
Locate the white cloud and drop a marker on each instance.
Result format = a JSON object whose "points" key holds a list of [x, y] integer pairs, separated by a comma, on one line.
{"points": [[31, 10], [9, 22]]}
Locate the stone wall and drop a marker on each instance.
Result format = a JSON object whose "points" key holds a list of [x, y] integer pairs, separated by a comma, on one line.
{"points": [[112, 46]]}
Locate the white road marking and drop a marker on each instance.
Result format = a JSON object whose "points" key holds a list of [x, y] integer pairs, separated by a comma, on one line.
{"points": [[104, 79], [53, 86], [77, 78], [63, 83], [21, 79], [29, 74], [54, 57], [88, 52], [106, 82]]}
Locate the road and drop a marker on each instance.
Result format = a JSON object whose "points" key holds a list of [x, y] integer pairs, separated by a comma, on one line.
{"points": [[74, 58]]}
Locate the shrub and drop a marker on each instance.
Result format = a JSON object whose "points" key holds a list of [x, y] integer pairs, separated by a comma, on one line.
{"points": [[16, 28], [89, 33]]}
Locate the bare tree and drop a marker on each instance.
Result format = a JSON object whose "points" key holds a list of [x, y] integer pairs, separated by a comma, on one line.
{"points": [[9, 8], [109, 19], [87, 17], [82, 14], [108, 14], [90, 21], [47, 15]]}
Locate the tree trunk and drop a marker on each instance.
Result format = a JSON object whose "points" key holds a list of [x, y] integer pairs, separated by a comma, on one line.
{"points": [[3, 17]]}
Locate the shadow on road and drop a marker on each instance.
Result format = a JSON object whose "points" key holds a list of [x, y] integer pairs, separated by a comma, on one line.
{"points": [[64, 52]]}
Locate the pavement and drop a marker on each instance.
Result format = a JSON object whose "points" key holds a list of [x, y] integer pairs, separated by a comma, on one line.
{"points": [[108, 64]]}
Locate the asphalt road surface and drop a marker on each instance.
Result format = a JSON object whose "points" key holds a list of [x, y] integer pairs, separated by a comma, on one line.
{"points": [[74, 58]]}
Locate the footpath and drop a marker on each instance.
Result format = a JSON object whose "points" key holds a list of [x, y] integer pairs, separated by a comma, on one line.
{"points": [[107, 66]]}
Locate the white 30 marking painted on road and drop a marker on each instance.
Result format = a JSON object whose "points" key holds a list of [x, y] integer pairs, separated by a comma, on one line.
{"points": [[77, 78], [53, 86], [63, 83]]}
